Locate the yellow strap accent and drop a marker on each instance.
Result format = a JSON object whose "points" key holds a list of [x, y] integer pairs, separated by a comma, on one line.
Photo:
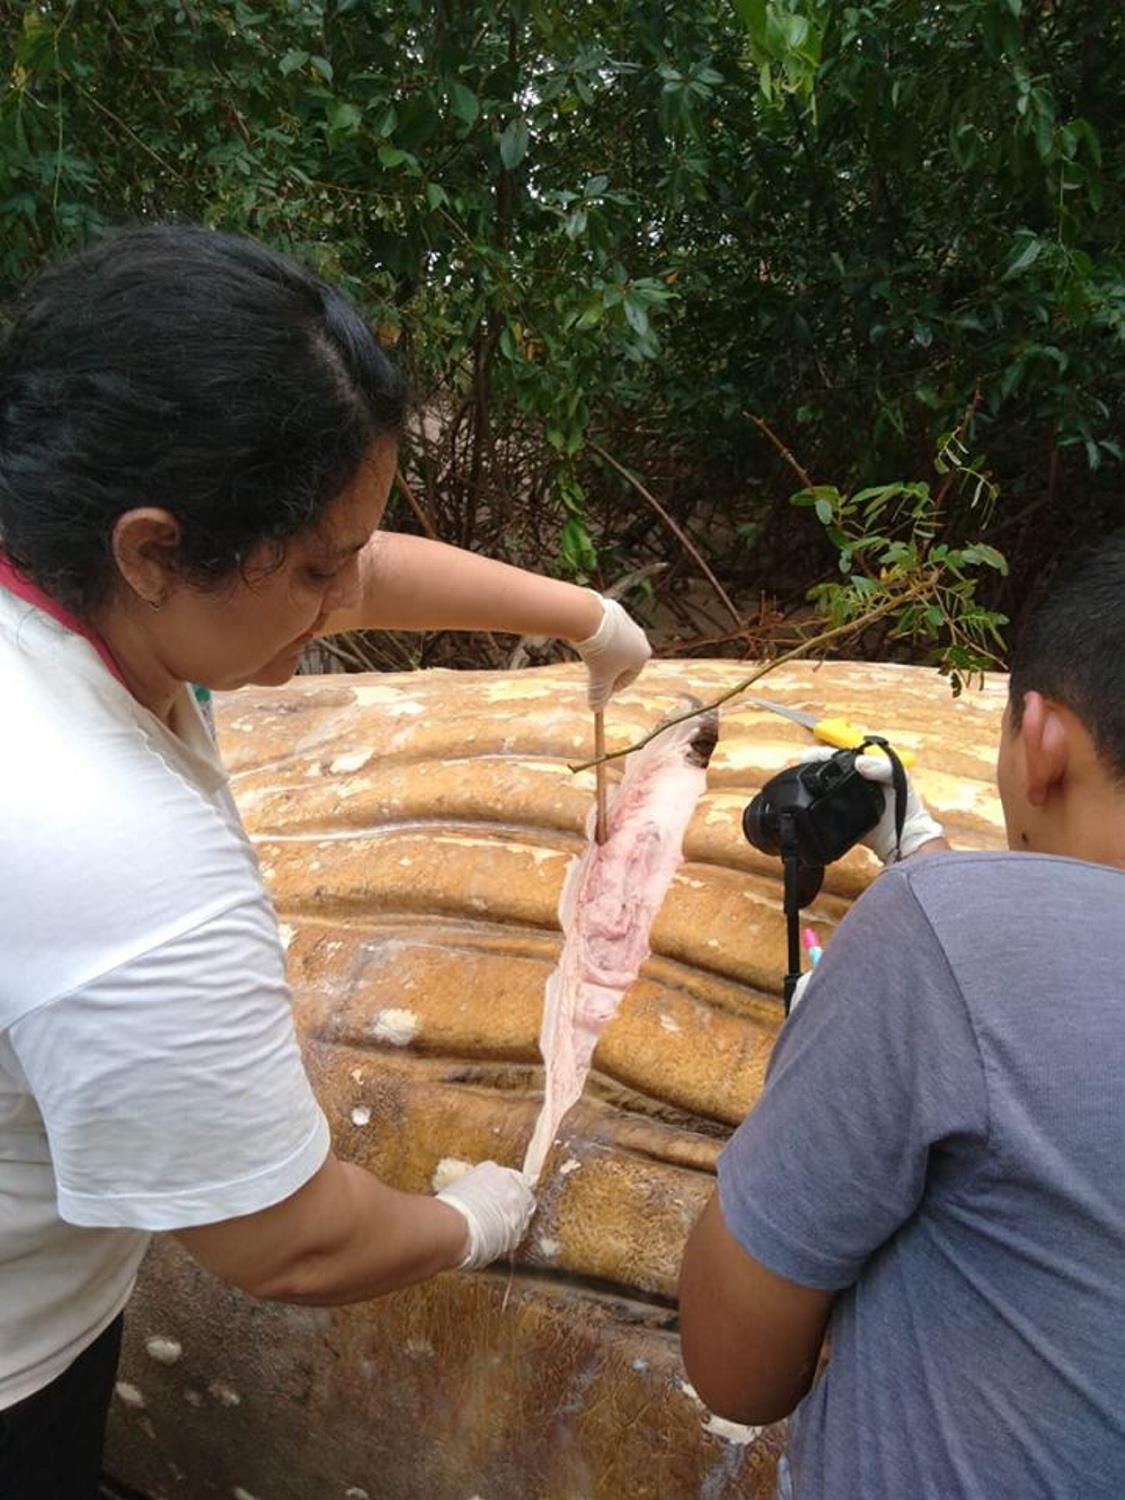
{"points": [[845, 736]]}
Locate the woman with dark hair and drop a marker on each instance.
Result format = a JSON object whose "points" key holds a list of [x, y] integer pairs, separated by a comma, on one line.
{"points": [[197, 441]]}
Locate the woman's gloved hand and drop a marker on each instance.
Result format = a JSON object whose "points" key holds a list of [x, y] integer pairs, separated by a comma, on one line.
{"points": [[614, 654], [496, 1203], [918, 826]]}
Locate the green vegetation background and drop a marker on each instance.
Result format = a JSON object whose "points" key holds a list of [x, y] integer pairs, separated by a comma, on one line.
{"points": [[605, 234]]}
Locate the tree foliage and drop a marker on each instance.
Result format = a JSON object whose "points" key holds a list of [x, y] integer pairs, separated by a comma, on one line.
{"points": [[623, 227]]}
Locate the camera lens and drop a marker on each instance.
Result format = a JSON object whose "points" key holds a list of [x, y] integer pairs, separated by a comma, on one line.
{"points": [[759, 824]]}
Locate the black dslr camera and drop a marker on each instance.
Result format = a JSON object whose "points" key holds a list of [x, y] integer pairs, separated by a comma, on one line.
{"points": [[811, 815]]}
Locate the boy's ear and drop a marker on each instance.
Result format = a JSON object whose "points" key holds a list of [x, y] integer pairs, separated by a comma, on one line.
{"points": [[1046, 747]]}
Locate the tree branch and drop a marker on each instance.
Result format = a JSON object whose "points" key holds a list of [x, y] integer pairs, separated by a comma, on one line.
{"points": [[918, 590]]}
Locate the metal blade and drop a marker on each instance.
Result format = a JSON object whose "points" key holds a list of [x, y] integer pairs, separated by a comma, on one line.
{"points": [[798, 715]]}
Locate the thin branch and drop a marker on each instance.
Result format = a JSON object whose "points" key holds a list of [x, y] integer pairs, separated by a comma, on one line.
{"points": [[802, 649], [673, 526], [958, 438], [763, 427], [416, 506], [130, 132]]}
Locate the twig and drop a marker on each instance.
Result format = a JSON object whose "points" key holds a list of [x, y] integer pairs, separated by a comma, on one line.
{"points": [[763, 427], [130, 132], [673, 526], [823, 639], [416, 506], [958, 438]]}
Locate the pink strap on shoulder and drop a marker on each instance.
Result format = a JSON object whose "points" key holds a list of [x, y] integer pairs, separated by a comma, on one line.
{"points": [[30, 593]]}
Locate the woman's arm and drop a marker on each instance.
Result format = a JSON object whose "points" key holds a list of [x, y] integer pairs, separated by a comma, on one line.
{"points": [[412, 583], [345, 1236]]}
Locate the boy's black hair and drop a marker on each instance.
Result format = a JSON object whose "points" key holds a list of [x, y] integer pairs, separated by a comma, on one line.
{"points": [[1072, 647], [187, 369]]}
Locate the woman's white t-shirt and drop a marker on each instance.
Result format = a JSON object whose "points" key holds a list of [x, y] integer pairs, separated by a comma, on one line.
{"points": [[150, 1077]]}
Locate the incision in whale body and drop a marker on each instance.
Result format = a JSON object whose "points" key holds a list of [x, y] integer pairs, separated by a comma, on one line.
{"points": [[609, 902]]}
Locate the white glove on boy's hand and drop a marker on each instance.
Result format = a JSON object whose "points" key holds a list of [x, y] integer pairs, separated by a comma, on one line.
{"points": [[918, 826], [799, 990], [614, 654], [497, 1204]]}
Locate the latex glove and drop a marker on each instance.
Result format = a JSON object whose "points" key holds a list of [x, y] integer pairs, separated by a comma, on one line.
{"points": [[614, 654], [497, 1204], [918, 826], [799, 990]]}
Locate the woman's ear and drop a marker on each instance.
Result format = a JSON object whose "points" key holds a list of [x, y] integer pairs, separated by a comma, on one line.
{"points": [[1046, 747], [144, 547]]}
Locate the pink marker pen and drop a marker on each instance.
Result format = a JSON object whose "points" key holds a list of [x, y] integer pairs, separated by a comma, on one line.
{"points": [[812, 945]]}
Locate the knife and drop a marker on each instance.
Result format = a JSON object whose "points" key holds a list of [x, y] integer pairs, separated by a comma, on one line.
{"points": [[830, 731]]}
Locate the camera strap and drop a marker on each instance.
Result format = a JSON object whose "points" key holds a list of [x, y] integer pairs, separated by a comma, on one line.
{"points": [[898, 783]]}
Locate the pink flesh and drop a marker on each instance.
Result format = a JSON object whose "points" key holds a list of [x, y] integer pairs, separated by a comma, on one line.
{"points": [[609, 902]]}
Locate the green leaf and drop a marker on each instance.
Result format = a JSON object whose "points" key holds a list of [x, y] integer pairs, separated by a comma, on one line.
{"points": [[322, 66], [391, 156], [514, 143], [578, 550], [823, 511], [1024, 257], [466, 105], [592, 313], [344, 116], [291, 62], [636, 316]]}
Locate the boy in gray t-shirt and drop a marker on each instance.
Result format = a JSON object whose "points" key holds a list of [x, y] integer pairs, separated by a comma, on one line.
{"points": [[936, 1168]]}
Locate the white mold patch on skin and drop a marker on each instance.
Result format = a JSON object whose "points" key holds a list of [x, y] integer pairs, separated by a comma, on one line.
{"points": [[193, 1398], [224, 1394], [382, 693], [668, 1024], [129, 1396], [399, 1027], [358, 1075], [548, 1247], [537, 851], [355, 760], [361, 1115], [757, 757], [520, 690], [955, 794], [164, 1351], [447, 1171], [238, 1493], [640, 1364], [571, 1164], [731, 1432], [353, 1492], [419, 1348]]}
